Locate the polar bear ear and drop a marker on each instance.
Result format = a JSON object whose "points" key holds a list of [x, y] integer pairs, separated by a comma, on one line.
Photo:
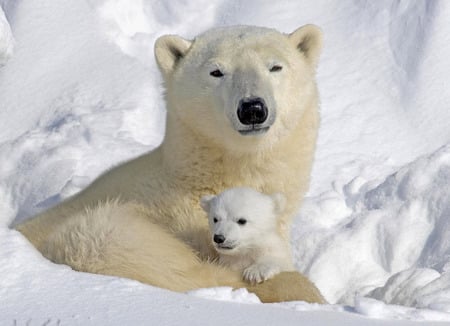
{"points": [[280, 202], [169, 50], [308, 40], [205, 202]]}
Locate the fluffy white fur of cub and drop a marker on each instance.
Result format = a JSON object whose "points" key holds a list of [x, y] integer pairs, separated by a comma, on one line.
{"points": [[243, 225]]}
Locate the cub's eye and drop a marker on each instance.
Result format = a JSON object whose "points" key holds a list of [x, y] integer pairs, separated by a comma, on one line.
{"points": [[216, 73], [276, 68], [215, 220], [242, 221]]}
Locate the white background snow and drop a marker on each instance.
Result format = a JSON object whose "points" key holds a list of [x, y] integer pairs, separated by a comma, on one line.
{"points": [[80, 92]]}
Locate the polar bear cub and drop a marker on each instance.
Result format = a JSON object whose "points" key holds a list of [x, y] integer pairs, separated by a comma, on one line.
{"points": [[244, 232]]}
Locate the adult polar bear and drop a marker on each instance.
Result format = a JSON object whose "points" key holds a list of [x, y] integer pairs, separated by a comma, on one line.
{"points": [[242, 110]]}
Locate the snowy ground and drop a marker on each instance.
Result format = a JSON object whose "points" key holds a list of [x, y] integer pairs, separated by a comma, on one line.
{"points": [[80, 92]]}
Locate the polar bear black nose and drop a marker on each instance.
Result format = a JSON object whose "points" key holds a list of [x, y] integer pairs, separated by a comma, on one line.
{"points": [[218, 238], [252, 110]]}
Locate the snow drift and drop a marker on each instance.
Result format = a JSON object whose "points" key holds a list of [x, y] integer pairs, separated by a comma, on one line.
{"points": [[353, 238]]}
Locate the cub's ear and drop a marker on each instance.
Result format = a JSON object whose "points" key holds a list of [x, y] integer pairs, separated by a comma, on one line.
{"points": [[169, 49], [205, 202], [308, 40], [279, 201]]}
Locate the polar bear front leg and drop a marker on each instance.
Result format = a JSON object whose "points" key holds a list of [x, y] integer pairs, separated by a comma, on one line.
{"points": [[261, 271]]}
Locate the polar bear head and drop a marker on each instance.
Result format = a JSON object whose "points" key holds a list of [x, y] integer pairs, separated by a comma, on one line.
{"points": [[241, 87], [241, 219]]}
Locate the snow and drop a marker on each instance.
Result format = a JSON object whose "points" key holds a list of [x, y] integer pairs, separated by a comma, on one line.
{"points": [[80, 92], [367, 235], [6, 39]]}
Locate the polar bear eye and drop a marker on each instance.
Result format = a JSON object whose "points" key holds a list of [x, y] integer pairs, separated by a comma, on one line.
{"points": [[276, 68], [215, 219], [216, 73], [242, 221]]}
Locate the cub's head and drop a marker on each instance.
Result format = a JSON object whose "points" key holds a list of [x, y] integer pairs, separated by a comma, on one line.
{"points": [[241, 219], [241, 87]]}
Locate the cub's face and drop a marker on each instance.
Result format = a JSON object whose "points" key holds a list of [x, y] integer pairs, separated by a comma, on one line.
{"points": [[241, 219], [241, 87]]}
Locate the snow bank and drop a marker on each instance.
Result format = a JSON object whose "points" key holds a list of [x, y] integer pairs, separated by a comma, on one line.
{"points": [[74, 103], [353, 238]]}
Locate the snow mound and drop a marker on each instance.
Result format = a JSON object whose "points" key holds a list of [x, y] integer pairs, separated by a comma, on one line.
{"points": [[70, 97], [417, 287], [226, 294], [6, 39], [134, 26], [354, 238], [378, 309]]}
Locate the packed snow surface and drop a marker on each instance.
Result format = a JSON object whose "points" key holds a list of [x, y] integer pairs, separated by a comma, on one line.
{"points": [[80, 92]]}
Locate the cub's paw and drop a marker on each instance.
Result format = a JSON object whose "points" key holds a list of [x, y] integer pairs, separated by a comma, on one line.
{"points": [[260, 272]]}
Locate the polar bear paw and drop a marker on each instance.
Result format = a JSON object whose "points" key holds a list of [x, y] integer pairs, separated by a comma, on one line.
{"points": [[260, 272]]}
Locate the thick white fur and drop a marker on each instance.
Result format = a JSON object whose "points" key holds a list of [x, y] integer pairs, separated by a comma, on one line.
{"points": [[247, 219], [143, 220]]}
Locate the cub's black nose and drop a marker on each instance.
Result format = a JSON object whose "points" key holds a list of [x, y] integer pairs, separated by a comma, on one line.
{"points": [[252, 111], [218, 238]]}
